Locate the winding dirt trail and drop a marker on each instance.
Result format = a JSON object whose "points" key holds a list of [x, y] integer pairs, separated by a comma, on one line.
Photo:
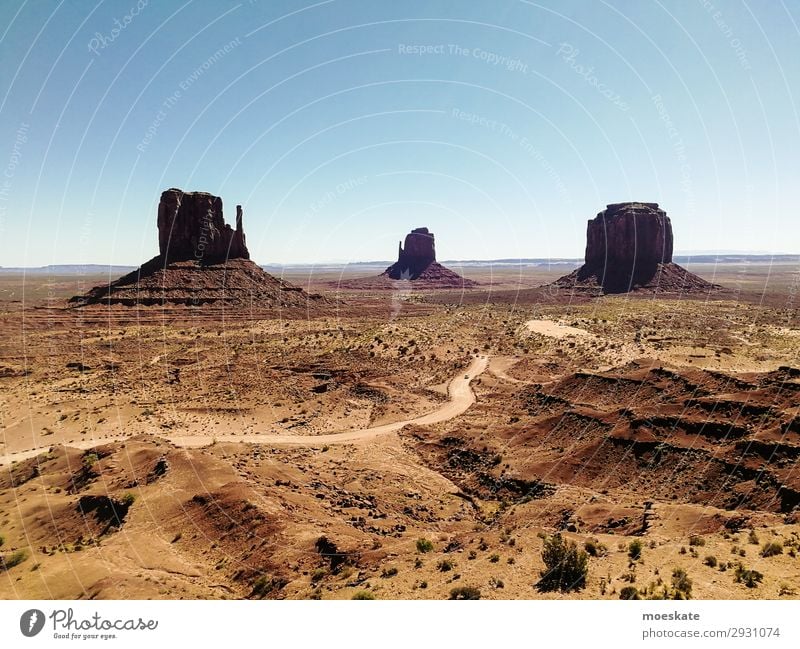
{"points": [[461, 397]]}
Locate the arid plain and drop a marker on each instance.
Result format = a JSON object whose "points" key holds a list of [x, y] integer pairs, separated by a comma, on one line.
{"points": [[159, 452]]}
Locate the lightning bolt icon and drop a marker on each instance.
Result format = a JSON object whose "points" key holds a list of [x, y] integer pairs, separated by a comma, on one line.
{"points": [[32, 621]]}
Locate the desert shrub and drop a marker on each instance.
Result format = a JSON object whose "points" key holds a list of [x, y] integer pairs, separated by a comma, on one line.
{"points": [[494, 558], [594, 548], [363, 594], [13, 559], [681, 584], [710, 561], [786, 589], [128, 499], [2, 540], [264, 585], [565, 566], [635, 550], [388, 572], [696, 540], [445, 565], [629, 592], [770, 549], [465, 592], [318, 574], [90, 459], [752, 538], [750, 578], [424, 545]]}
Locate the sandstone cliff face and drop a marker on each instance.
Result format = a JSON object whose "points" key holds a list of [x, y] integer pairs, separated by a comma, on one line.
{"points": [[629, 236], [191, 227], [415, 256], [201, 262], [629, 248]]}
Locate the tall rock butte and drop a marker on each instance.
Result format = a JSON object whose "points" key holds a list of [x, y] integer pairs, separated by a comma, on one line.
{"points": [[629, 248], [191, 226], [201, 260], [416, 261]]}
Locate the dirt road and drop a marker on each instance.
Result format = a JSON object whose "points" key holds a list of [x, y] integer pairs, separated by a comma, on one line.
{"points": [[460, 395]]}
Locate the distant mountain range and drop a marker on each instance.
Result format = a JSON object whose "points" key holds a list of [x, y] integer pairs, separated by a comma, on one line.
{"points": [[116, 271]]}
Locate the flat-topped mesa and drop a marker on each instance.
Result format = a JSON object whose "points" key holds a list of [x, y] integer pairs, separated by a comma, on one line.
{"points": [[191, 227], [629, 248], [629, 237], [415, 256]]}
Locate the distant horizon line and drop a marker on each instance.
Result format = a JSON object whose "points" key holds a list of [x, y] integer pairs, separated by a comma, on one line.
{"points": [[682, 257]]}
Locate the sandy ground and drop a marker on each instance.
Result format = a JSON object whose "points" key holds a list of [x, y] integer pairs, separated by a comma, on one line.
{"points": [[168, 453], [554, 329]]}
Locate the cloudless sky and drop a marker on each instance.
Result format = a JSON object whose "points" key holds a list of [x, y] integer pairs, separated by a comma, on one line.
{"points": [[520, 121]]}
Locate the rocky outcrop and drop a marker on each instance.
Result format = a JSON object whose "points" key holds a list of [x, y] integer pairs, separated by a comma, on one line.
{"points": [[629, 248], [191, 227], [630, 237], [418, 253], [416, 262], [201, 261]]}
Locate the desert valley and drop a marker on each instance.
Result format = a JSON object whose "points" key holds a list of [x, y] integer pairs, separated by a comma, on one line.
{"points": [[203, 428]]}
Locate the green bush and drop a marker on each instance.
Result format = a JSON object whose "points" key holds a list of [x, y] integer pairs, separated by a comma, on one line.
{"points": [[594, 548], [424, 545], [635, 550], [13, 559], [750, 578], [363, 594], [465, 592], [128, 499], [771, 549], [565, 566], [629, 592], [264, 585], [445, 565], [681, 584]]}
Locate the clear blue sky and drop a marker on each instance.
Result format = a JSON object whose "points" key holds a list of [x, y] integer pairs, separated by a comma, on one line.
{"points": [[518, 123]]}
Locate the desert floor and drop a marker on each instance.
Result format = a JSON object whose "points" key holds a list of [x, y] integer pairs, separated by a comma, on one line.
{"points": [[401, 443]]}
